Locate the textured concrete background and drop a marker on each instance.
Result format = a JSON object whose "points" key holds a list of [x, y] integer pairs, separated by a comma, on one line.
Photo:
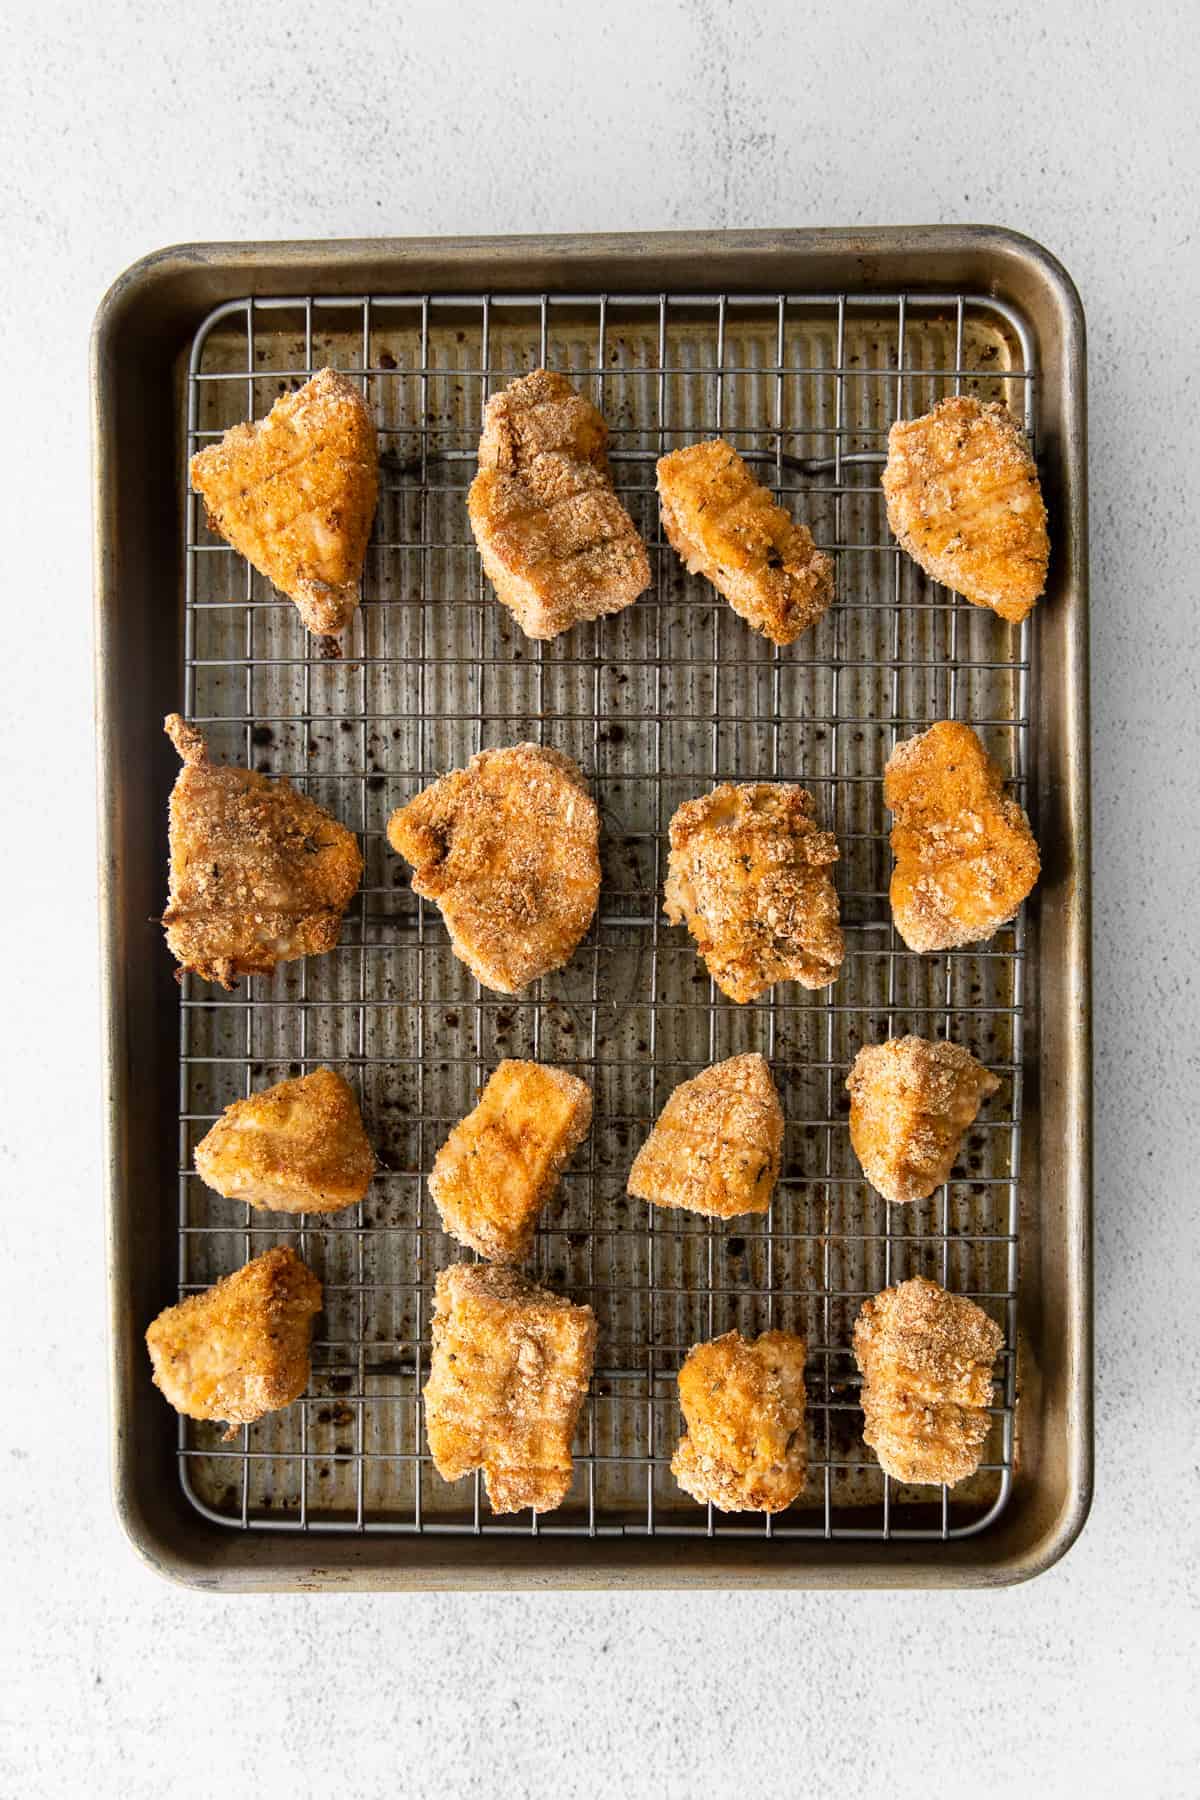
{"points": [[129, 126]]}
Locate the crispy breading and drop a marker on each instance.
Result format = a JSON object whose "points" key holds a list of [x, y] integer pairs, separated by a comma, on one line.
{"points": [[295, 494], [509, 849], [963, 499], [911, 1102], [296, 1147], [715, 1148], [965, 856], [259, 874], [511, 1365], [726, 526], [501, 1164], [926, 1359], [241, 1348], [743, 1400], [748, 873], [556, 543]]}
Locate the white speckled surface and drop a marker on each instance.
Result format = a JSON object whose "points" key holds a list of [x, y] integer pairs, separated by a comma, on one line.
{"points": [[127, 126]]}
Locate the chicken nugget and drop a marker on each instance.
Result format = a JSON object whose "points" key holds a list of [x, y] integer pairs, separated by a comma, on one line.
{"points": [[726, 526], [744, 1403], [926, 1360], [259, 874], [965, 856], [241, 1348], [509, 849], [510, 1368], [295, 494], [748, 872], [556, 543], [500, 1165], [911, 1102], [296, 1147], [963, 499], [715, 1148]]}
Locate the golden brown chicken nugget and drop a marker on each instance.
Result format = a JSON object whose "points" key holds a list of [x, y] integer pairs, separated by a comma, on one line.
{"points": [[295, 495], [715, 1148], [963, 499], [500, 1165], [511, 1365], [556, 543], [744, 1403], [926, 1360], [241, 1348], [726, 526], [748, 872], [296, 1147], [259, 874], [509, 849], [911, 1101], [965, 856]]}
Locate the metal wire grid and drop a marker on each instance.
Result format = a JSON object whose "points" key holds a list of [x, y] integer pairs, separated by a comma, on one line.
{"points": [[656, 704]]}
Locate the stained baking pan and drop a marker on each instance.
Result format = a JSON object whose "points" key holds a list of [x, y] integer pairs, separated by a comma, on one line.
{"points": [[801, 347]]}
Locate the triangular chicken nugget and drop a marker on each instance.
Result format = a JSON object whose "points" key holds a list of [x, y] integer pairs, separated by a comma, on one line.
{"points": [[715, 1148], [260, 874], [296, 1147], [241, 1348], [295, 493]]}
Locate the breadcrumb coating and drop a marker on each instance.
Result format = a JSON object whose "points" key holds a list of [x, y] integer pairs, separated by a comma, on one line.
{"points": [[911, 1101], [744, 1403], [259, 873], [965, 855], [296, 1147], [748, 872], [963, 499], [926, 1360], [509, 849], [726, 527], [556, 543], [501, 1164], [241, 1348], [715, 1148], [511, 1365], [296, 493]]}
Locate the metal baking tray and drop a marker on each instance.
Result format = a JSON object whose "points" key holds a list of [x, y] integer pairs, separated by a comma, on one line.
{"points": [[801, 346]]}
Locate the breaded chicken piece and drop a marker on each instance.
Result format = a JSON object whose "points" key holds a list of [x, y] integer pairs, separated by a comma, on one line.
{"points": [[965, 856], [509, 849], [747, 872], [926, 1359], [500, 1165], [295, 495], [911, 1102], [715, 1148], [963, 499], [296, 1147], [510, 1368], [726, 526], [259, 873], [743, 1400], [241, 1348], [557, 545]]}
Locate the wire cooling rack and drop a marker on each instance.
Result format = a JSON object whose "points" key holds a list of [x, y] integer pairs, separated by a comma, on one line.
{"points": [[656, 704]]}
